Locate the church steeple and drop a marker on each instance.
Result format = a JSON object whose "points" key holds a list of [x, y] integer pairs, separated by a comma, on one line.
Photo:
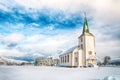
{"points": [[85, 27]]}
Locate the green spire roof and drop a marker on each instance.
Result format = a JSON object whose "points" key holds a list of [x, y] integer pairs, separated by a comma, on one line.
{"points": [[85, 27]]}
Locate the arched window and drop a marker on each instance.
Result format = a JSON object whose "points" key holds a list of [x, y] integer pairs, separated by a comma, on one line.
{"points": [[76, 59], [61, 59], [65, 59], [68, 58]]}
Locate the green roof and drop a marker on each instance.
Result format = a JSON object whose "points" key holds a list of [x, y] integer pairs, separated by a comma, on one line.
{"points": [[85, 27]]}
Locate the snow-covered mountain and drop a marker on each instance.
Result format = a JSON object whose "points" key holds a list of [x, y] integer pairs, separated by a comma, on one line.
{"points": [[28, 57], [115, 61], [5, 60]]}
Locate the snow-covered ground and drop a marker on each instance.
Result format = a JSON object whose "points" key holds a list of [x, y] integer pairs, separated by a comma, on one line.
{"points": [[57, 73]]}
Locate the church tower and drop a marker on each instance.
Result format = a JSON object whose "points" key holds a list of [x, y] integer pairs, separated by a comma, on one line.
{"points": [[86, 43]]}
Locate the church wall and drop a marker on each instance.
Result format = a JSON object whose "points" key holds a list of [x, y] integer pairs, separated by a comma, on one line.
{"points": [[80, 58], [66, 63], [90, 45], [90, 48], [75, 58], [82, 47]]}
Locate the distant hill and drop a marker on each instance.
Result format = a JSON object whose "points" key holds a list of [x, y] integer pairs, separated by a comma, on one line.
{"points": [[28, 57], [10, 61], [115, 61]]}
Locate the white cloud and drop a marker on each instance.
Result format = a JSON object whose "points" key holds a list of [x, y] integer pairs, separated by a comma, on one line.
{"points": [[13, 38], [105, 22], [6, 52], [55, 4], [50, 44], [107, 45], [6, 5], [66, 39]]}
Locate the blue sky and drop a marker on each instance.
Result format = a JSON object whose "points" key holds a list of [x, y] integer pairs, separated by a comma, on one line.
{"points": [[43, 27]]}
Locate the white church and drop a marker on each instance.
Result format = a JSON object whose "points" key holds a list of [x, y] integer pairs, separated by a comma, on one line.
{"points": [[84, 54]]}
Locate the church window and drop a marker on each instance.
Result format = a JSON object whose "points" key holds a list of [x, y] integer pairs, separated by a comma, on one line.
{"points": [[90, 52], [65, 59], [78, 46], [68, 58], [61, 59], [81, 46], [81, 39], [76, 59]]}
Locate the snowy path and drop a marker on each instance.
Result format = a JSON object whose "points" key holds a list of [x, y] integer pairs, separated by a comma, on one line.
{"points": [[56, 73]]}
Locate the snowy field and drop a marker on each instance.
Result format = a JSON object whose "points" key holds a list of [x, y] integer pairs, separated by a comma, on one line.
{"points": [[57, 73]]}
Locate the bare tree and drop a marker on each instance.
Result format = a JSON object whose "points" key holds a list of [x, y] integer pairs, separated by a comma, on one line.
{"points": [[106, 60]]}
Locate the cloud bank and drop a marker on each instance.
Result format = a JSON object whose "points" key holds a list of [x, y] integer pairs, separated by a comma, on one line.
{"points": [[43, 26]]}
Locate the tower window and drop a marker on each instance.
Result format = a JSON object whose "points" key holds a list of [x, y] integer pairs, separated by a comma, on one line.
{"points": [[81, 39], [78, 46], [81, 46]]}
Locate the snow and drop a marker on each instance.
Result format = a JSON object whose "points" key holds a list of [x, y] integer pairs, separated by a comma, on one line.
{"points": [[91, 57], [58, 73], [69, 50]]}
